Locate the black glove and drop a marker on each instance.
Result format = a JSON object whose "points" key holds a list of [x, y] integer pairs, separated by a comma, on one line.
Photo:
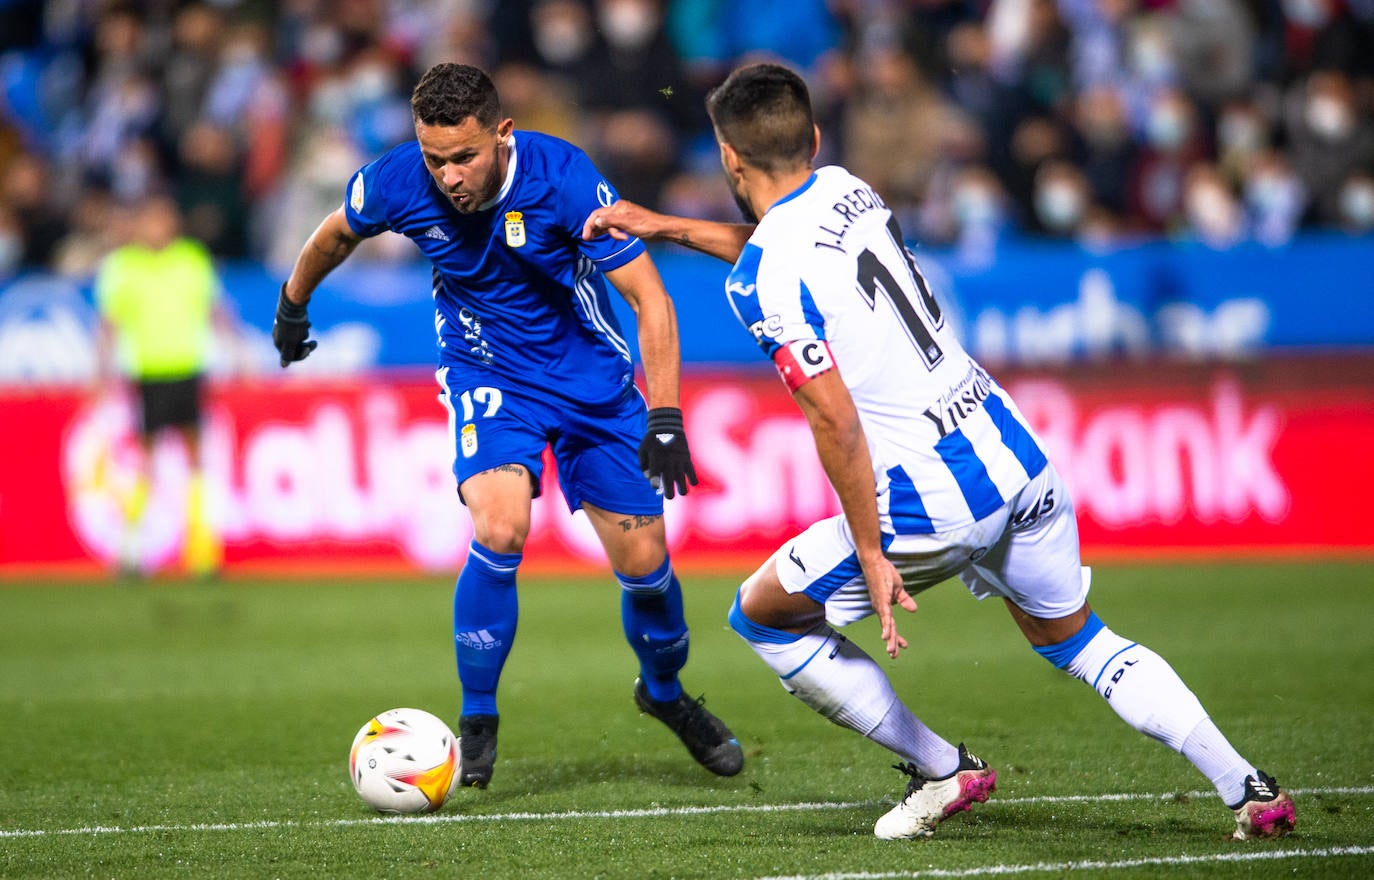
{"points": [[290, 329], [663, 454]]}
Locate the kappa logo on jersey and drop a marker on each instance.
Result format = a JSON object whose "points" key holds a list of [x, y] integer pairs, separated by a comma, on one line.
{"points": [[515, 229], [355, 195], [803, 360], [436, 233], [740, 289], [603, 194]]}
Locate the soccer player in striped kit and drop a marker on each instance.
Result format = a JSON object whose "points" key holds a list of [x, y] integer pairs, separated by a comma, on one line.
{"points": [[937, 472], [531, 356]]}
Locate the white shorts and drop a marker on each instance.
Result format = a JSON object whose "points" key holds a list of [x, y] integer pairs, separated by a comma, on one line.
{"points": [[1027, 551]]}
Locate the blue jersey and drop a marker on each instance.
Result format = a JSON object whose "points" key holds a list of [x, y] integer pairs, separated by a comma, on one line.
{"points": [[519, 298]]}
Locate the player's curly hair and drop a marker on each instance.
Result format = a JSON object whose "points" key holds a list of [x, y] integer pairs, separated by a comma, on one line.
{"points": [[449, 93], [763, 111]]}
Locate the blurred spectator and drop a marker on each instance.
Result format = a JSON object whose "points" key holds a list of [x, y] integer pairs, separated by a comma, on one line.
{"points": [[535, 101], [1210, 210], [1357, 203], [1108, 150], [1326, 35], [982, 214], [641, 109], [1275, 199], [1243, 133], [93, 232], [1330, 139], [961, 146], [1173, 144], [197, 33], [11, 243], [971, 85], [209, 190], [26, 189], [1036, 141], [892, 126], [1062, 199], [1212, 41]]}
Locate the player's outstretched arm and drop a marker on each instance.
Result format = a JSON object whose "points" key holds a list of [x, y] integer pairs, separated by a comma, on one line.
{"points": [[625, 220], [843, 452], [328, 246]]}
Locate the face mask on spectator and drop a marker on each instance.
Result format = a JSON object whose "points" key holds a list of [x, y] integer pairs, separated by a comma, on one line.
{"points": [[11, 248], [974, 206], [1328, 117], [1152, 59], [1357, 204], [627, 24], [1166, 127], [1209, 211], [1269, 193], [1059, 206], [1240, 132], [560, 38], [1310, 14]]}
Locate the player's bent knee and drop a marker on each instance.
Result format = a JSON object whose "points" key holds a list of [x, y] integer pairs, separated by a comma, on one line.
{"points": [[1062, 654], [753, 631], [502, 537]]}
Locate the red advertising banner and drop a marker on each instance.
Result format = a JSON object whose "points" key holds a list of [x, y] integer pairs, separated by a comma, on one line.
{"points": [[353, 475]]}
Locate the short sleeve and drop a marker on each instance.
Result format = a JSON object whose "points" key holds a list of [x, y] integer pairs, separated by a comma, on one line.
{"points": [[582, 191], [772, 300], [364, 206]]}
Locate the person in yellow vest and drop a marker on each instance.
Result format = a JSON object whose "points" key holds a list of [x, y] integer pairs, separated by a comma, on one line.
{"points": [[158, 298]]}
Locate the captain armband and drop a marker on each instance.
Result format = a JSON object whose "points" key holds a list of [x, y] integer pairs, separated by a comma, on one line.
{"points": [[801, 361]]}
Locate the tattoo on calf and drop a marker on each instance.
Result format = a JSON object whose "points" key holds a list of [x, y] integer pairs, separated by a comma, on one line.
{"points": [[639, 521]]}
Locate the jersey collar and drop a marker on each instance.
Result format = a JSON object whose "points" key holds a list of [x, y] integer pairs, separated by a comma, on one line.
{"points": [[796, 192]]}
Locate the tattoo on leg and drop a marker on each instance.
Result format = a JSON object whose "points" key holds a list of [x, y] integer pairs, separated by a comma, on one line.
{"points": [[506, 469], [639, 521]]}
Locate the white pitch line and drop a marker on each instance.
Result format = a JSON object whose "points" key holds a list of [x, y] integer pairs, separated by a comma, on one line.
{"points": [[1059, 867], [646, 813]]}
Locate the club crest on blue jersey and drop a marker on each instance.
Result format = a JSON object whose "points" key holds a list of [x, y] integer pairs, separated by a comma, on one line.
{"points": [[515, 229], [469, 440]]}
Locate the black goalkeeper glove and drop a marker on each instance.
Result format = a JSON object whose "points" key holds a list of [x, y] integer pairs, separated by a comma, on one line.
{"points": [[290, 329], [663, 454]]}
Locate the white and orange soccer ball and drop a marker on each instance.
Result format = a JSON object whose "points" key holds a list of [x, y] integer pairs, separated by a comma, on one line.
{"points": [[404, 761]]}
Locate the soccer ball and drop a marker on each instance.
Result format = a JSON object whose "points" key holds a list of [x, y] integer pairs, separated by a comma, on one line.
{"points": [[404, 761]]}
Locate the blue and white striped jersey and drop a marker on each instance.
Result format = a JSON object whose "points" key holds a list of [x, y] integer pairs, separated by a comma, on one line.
{"points": [[517, 293], [826, 281]]}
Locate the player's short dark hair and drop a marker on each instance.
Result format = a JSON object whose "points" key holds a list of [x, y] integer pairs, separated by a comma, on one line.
{"points": [[449, 93], [763, 111]]}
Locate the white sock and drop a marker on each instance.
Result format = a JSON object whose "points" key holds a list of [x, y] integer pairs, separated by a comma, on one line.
{"points": [[1148, 695], [1211, 753], [832, 675]]}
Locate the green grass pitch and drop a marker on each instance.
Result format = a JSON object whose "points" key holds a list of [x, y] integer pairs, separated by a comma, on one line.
{"points": [[183, 730]]}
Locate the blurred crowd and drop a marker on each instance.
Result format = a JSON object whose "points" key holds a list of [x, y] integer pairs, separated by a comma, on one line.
{"points": [[978, 120]]}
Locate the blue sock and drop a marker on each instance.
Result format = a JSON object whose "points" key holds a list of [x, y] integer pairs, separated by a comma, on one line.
{"points": [[651, 610], [485, 609]]}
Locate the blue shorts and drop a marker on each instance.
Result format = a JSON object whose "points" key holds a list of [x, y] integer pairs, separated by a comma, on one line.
{"points": [[596, 449]]}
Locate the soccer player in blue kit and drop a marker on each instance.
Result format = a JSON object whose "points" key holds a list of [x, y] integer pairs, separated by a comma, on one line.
{"points": [[531, 355], [937, 472]]}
